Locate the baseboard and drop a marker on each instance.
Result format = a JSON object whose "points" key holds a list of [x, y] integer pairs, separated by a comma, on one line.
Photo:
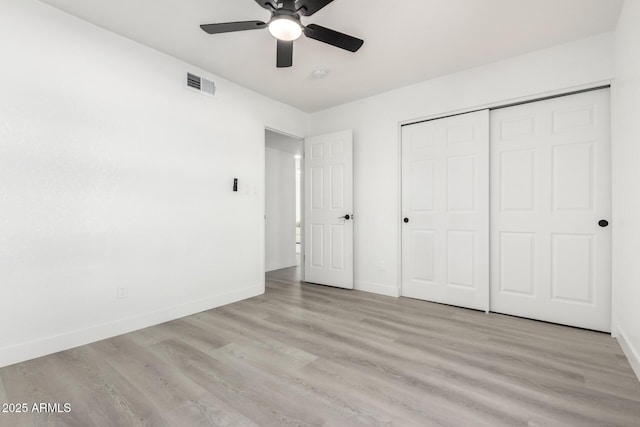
{"points": [[377, 288], [32, 349], [292, 263], [632, 353]]}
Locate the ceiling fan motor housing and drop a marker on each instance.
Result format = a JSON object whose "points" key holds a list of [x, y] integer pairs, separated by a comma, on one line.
{"points": [[287, 5], [286, 13]]}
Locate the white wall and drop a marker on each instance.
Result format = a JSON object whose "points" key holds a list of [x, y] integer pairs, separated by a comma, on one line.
{"points": [[114, 174], [375, 122], [626, 177], [280, 209]]}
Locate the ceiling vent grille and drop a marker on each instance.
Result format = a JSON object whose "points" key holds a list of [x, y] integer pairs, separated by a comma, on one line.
{"points": [[201, 84]]}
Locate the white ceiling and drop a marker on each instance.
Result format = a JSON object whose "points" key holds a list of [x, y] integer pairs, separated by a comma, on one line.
{"points": [[405, 41]]}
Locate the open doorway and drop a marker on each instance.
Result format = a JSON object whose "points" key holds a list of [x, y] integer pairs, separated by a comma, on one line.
{"points": [[283, 215]]}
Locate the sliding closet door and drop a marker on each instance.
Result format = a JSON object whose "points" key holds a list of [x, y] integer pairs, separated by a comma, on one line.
{"points": [[551, 200], [445, 210]]}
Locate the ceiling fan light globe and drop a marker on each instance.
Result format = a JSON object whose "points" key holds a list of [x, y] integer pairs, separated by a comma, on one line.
{"points": [[285, 29]]}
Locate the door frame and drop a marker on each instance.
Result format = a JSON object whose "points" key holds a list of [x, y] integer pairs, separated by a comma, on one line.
{"points": [[603, 84], [263, 213]]}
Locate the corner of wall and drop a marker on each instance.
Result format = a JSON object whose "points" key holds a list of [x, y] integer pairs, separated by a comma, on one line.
{"points": [[632, 353], [626, 203]]}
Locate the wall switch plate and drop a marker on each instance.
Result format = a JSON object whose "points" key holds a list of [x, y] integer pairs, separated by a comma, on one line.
{"points": [[122, 292]]}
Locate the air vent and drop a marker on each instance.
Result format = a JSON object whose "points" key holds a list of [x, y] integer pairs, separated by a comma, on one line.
{"points": [[193, 81], [201, 84]]}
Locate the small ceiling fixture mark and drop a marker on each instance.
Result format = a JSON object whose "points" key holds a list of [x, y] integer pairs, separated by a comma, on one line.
{"points": [[320, 73]]}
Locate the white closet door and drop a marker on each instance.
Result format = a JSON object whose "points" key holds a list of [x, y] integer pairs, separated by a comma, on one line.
{"points": [[445, 209], [328, 209], [551, 185]]}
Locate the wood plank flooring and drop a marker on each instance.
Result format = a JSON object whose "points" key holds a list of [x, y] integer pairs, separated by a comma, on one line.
{"points": [[308, 355]]}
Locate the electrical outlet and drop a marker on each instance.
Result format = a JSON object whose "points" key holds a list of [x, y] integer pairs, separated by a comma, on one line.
{"points": [[381, 266], [122, 292]]}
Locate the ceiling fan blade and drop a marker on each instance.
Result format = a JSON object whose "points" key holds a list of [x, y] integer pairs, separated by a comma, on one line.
{"points": [[334, 38], [268, 4], [285, 54], [229, 27], [309, 7]]}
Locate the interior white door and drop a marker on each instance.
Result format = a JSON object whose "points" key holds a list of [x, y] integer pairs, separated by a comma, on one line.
{"points": [[328, 209], [551, 185], [445, 209]]}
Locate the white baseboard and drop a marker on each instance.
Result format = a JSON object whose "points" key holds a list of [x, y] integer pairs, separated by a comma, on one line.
{"points": [[630, 351], [53, 344], [377, 288], [290, 263]]}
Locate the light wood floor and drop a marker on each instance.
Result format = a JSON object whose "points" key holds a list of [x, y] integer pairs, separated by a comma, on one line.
{"points": [[313, 355]]}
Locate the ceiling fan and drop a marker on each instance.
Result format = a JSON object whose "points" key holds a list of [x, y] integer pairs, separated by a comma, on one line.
{"points": [[286, 27]]}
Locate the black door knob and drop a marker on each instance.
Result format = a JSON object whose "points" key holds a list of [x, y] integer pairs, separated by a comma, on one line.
{"points": [[347, 216], [603, 223], [406, 220]]}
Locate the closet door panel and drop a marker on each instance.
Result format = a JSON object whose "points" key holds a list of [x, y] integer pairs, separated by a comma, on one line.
{"points": [[445, 210]]}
